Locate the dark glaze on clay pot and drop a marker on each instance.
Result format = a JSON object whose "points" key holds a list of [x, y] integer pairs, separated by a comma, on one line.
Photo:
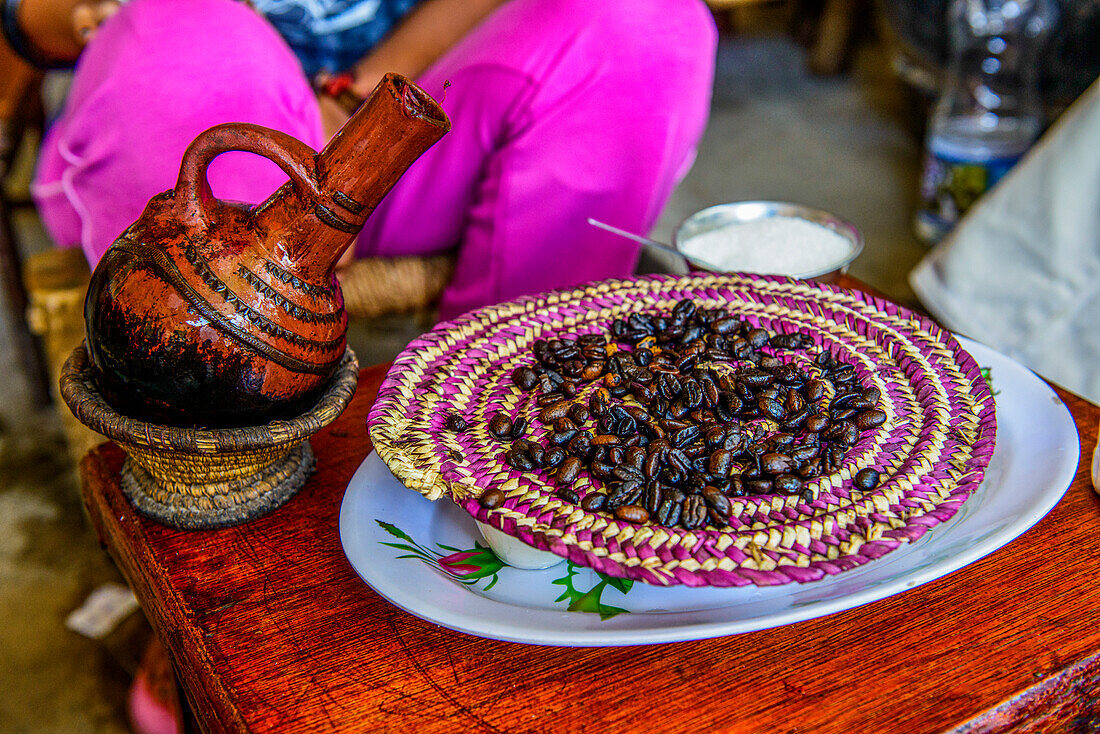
{"points": [[208, 313]]}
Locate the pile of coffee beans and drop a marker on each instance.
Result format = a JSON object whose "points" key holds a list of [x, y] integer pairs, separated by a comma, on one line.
{"points": [[672, 414]]}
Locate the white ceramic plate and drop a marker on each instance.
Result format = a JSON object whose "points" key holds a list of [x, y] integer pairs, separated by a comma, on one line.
{"points": [[1034, 462]]}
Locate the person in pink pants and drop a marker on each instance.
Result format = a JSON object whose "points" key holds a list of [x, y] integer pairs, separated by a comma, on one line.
{"points": [[561, 110]]}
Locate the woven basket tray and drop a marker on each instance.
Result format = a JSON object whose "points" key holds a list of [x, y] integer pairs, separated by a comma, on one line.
{"points": [[931, 451]]}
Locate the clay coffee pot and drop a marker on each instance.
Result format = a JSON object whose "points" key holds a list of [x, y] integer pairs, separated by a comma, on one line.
{"points": [[206, 313]]}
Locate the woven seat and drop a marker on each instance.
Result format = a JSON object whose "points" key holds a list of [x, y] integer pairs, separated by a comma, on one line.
{"points": [[377, 286], [56, 282]]}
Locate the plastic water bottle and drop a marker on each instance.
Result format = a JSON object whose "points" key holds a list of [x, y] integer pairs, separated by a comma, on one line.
{"points": [[990, 111]]}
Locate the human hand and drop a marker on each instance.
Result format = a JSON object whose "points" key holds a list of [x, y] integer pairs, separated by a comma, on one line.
{"points": [[89, 15]]}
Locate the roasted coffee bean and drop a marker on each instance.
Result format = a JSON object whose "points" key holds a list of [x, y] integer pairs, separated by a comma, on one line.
{"points": [[815, 390], [692, 393], [866, 479], [564, 424], [849, 434], [598, 401], [758, 485], [455, 422], [683, 310], [757, 338], [694, 512], [554, 457], [652, 465], [844, 374], [843, 400], [676, 459], [626, 493], [627, 473], [537, 454], [568, 470], [736, 487], [560, 438], [551, 413], [720, 463], [781, 440], [569, 389], [669, 512], [519, 460], [717, 500], [632, 514], [870, 419], [834, 432], [836, 456], [685, 436], [784, 341], [491, 498], [672, 425], [612, 380], [617, 413], [593, 371], [725, 326], [658, 445], [635, 457], [567, 495], [580, 445], [714, 436], [800, 454], [593, 501], [525, 378], [755, 379], [787, 484], [626, 426], [816, 423], [841, 414], [775, 463], [771, 408], [652, 498], [600, 469], [794, 402], [519, 426], [793, 422], [860, 404]]}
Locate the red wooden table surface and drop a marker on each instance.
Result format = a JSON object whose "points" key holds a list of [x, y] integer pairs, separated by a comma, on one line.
{"points": [[270, 629]]}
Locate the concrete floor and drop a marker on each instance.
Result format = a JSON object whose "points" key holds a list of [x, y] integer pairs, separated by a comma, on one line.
{"points": [[843, 144]]}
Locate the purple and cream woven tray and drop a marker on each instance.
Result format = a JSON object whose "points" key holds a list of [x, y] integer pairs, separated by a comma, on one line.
{"points": [[931, 451]]}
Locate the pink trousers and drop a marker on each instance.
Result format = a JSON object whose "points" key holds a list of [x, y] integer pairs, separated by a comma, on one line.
{"points": [[561, 110]]}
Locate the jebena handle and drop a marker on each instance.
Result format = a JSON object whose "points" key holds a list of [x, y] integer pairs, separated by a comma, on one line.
{"points": [[294, 157]]}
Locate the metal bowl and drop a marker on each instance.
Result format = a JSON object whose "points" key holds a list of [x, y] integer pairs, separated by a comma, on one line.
{"points": [[723, 215]]}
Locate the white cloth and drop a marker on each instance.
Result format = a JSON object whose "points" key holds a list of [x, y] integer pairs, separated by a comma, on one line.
{"points": [[1021, 271]]}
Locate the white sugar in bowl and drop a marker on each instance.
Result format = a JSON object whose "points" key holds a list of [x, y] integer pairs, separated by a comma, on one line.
{"points": [[770, 238]]}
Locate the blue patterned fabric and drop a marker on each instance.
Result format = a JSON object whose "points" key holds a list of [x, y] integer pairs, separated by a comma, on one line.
{"points": [[332, 35]]}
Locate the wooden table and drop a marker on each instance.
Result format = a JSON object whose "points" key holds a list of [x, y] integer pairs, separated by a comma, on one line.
{"points": [[271, 630]]}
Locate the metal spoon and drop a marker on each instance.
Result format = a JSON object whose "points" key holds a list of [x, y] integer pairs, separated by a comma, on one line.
{"points": [[689, 260]]}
